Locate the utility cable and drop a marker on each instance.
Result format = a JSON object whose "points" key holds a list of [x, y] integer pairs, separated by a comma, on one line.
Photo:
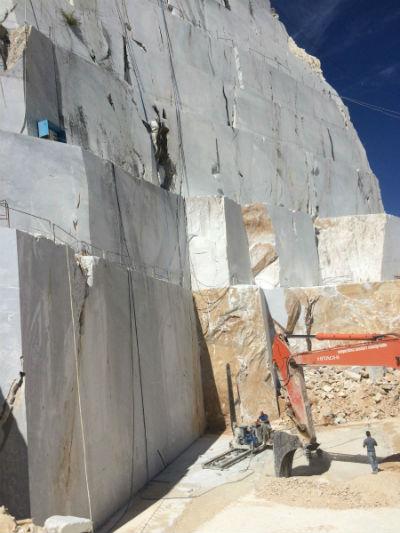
{"points": [[389, 112], [122, 512], [132, 300], [194, 496], [79, 390]]}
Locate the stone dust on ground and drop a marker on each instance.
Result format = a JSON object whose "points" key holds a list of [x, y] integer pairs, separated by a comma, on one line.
{"points": [[344, 497]]}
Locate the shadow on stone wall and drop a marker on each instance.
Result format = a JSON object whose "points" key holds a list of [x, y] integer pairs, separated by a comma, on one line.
{"points": [[215, 419], [14, 480]]}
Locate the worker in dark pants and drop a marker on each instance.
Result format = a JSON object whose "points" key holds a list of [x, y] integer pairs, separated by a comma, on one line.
{"points": [[370, 444], [266, 426]]}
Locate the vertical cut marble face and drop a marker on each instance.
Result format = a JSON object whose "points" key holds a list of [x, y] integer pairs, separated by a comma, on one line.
{"points": [[249, 114]]}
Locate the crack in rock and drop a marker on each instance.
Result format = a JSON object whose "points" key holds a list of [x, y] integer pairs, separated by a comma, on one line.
{"points": [[9, 401]]}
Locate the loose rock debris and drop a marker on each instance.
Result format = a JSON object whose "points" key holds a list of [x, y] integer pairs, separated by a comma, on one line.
{"points": [[340, 395], [8, 524]]}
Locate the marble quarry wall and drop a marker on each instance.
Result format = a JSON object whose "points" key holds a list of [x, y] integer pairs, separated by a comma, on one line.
{"points": [[93, 205], [204, 151], [220, 101], [290, 249], [139, 379]]}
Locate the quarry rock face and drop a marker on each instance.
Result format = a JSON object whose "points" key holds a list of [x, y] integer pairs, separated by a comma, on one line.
{"points": [[203, 151], [70, 195], [90, 351], [220, 101], [234, 330], [346, 308], [262, 244]]}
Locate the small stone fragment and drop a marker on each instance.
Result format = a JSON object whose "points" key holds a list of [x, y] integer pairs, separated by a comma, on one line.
{"points": [[67, 524], [7, 522], [352, 375]]}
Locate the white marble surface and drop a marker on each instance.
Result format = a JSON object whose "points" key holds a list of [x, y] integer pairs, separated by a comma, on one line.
{"points": [[358, 248], [218, 246], [258, 122]]}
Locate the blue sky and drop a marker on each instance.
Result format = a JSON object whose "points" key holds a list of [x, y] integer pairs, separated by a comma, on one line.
{"points": [[358, 43]]}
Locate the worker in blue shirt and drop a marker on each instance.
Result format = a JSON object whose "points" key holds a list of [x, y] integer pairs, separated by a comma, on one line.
{"points": [[370, 444], [263, 418], [266, 427]]}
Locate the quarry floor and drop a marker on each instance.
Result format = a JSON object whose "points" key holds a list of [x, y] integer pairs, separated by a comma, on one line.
{"points": [[335, 493]]}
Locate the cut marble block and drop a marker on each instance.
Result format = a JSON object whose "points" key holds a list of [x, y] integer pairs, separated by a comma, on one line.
{"points": [[218, 246], [282, 246], [358, 248], [94, 206]]}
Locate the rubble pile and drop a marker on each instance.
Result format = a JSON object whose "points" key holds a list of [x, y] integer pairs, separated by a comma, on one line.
{"points": [[8, 524], [340, 395]]}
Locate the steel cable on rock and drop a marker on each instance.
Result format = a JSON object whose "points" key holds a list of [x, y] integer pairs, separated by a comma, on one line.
{"points": [[132, 313], [177, 99], [79, 391]]}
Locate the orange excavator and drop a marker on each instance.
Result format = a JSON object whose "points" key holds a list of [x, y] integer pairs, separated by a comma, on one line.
{"points": [[375, 350]]}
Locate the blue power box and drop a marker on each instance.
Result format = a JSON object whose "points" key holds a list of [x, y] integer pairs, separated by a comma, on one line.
{"points": [[48, 130]]}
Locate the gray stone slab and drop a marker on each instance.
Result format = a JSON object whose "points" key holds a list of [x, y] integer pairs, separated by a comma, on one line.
{"points": [[14, 480], [75, 196], [139, 381]]}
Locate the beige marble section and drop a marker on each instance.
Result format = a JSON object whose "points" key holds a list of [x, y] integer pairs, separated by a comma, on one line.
{"points": [[358, 248], [347, 308], [282, 245], [232, 325], [261, 236]]}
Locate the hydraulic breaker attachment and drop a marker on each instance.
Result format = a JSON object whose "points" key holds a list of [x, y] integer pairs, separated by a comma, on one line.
{"points": [[285, 446]]}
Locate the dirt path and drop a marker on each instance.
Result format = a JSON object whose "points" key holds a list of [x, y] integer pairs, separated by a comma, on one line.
{"points": [[335, 493]]}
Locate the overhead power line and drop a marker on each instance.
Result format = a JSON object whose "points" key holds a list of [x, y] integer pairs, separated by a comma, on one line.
{"points": [[389, 112]]}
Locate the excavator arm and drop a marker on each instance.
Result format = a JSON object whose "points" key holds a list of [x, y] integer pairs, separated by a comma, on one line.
{"points": [[376, 350]]}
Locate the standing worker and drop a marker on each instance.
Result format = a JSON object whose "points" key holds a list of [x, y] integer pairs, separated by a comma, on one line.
{"points": [[370, 444]]}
